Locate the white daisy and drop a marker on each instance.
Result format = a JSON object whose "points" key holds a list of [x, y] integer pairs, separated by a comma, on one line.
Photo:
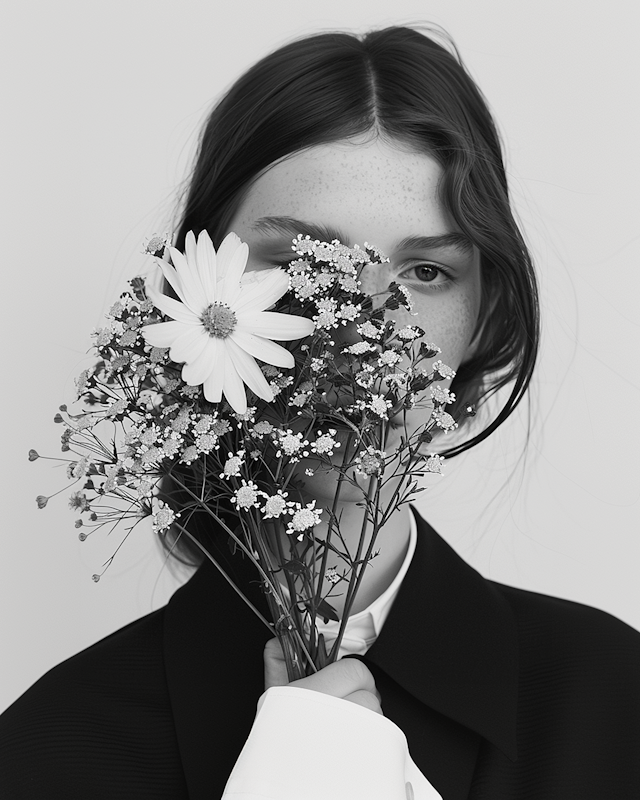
{"points": [[219, 326]]}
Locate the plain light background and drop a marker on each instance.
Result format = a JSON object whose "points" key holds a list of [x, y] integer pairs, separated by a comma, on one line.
{"points": [[101, 107]]}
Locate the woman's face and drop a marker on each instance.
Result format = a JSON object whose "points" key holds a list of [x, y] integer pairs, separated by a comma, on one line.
{"points": [[387, 196]]}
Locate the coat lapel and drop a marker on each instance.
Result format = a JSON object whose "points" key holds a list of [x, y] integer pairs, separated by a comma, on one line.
{"points": [[449, 642], [213, 661]]}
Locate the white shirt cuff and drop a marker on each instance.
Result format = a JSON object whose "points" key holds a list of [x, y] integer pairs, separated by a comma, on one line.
{"points": [[306, 745]]}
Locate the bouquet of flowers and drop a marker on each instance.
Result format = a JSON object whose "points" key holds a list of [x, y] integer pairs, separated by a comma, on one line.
{"points": [[195, 406]]}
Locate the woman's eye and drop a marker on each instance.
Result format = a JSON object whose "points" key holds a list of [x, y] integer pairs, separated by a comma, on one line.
{"points": [[426, 272], [429, 274]]}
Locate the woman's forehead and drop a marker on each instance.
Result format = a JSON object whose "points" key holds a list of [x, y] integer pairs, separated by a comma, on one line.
{"points": [[352, 189]]}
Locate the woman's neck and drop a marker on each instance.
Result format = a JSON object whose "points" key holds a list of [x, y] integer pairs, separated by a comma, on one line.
{"points": [[390, 548]]}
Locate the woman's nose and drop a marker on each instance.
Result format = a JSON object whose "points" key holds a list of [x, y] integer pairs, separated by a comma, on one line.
{"points": [[373, 279]]}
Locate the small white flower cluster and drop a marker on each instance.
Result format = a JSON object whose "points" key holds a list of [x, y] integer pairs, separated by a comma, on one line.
{"points": [[291, 445], [325, 443], [247, 496], [360, 348], [370, 461], [440, 394], [304, 518], [443, 371], [389, 358], [163, 518], [409, 332], [326, 269], [277, 382], [276, 505], [369, 330], [434, 464], [377, 404], [156, 244], [233, 465], [249, 415], [331, 574], [261, 429], [444, 421], [303, 393]]}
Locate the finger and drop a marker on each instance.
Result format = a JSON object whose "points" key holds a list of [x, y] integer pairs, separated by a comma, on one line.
{"points": [[275, 667], [340, 679], [366, 699]]}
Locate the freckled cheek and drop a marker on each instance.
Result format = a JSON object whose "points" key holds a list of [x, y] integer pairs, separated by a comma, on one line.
{"points": [[450, 327]]}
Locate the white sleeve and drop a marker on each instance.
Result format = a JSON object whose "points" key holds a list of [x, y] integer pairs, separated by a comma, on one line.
{"points": [[305, 745]]}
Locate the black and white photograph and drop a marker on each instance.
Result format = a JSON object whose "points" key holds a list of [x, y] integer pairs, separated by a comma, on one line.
{"points": [[321, 463]]}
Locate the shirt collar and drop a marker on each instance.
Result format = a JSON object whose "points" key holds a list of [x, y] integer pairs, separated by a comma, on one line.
{"points": [[363, 628]]}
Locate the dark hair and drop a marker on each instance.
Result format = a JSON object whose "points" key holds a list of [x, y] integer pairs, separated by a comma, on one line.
{"points": [[403, 85]]}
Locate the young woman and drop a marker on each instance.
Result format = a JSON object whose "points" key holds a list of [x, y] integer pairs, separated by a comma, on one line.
{"points": [[501, 693]]}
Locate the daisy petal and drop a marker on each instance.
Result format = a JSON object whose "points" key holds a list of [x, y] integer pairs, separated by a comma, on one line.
{"points": [[197, 371], [190, 247], [189, 345], [250, 372], [233, 386], [190, 281], [271, 325], [213, 385], [171, 277], [164, 334], [227, 248], [233, 272], [264, 349], [206, 261], [172, 308], [264, 292]]}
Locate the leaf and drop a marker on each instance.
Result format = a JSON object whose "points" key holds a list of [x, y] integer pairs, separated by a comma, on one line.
{"points": [[327, 612], [426, 351], [322, 658], [295, 567], [419, 383]]}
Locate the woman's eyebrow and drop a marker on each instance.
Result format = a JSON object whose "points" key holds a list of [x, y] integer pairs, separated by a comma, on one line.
{"points": [[292, 227], [453, 239]]}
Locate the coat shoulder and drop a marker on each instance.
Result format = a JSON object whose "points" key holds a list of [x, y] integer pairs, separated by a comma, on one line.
{"points": [[570, 625], [578, 652], [97, 725]]}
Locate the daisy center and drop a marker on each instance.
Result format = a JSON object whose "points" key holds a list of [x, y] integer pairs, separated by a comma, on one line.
{"points": [[218, 320]]}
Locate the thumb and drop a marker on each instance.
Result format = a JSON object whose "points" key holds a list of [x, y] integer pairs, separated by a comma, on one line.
{"points": [[275, 668]]}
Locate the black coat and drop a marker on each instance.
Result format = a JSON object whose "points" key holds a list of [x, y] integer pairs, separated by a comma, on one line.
{"points": [[502, 693]]}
